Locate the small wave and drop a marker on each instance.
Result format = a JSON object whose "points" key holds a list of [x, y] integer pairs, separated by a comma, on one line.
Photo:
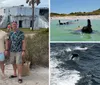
{"points": [[62, 76], [53, 53], [68, 49], [80, 48], [69, 77], [76, 48]]}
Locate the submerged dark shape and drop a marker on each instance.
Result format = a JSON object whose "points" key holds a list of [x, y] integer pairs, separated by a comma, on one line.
{"points": [[74, 55], [87, 29], [64, 23], [76, 20]]}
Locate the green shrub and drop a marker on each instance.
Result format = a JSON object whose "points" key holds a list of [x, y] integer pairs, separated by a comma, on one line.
{"points": [[37, 48]]}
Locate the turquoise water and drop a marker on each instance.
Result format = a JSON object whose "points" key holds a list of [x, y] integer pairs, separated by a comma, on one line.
{"points": [[69, 33]]}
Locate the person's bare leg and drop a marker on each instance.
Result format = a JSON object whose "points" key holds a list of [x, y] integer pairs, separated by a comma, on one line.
{"points": [[2, 66], [14, 68], [19, 66]]}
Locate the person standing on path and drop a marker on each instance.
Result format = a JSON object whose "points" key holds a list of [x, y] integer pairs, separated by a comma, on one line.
{"points": [[3, 51], [17, 50]]}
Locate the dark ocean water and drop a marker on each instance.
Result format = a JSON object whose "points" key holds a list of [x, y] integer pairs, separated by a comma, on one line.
{"points": [[81, 70]]}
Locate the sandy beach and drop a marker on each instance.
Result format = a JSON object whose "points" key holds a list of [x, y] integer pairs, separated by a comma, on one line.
{"points": [[78, 17], [38, 76]]}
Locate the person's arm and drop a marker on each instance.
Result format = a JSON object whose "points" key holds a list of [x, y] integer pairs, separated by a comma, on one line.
{"points": [[7, 45], [23, 50], [23, 45]]}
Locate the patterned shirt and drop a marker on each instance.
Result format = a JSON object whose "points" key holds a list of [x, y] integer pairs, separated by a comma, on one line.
{"points": [[16, 41]]}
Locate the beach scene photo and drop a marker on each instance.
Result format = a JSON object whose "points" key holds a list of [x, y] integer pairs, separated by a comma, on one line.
{"points": [[75, 20]]}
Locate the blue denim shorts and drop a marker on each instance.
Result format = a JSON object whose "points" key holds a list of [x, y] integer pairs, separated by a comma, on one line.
{"points": [[2, 57]]}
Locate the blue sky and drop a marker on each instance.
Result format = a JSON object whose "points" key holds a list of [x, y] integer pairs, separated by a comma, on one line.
{"points": [[3, 3], [68, 6]]}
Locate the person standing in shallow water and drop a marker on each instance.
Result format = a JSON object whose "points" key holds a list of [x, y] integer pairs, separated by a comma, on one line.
{"points": [[87, 29], [17, 50]]}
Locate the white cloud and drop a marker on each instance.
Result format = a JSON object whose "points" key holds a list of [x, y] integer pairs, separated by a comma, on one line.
{"points": [[7, 3]]}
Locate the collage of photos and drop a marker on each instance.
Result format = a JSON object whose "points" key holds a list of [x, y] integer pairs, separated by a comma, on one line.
{"points": [[74, 42], [49, 42]]}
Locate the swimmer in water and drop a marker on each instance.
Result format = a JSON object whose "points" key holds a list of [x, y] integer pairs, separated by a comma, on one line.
{"points": [[88, 28]]}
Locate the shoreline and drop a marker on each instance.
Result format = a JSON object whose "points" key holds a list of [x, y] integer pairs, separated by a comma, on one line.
{"points": [[76, 17]]}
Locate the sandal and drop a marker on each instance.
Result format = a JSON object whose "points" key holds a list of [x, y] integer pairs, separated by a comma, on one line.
{"points": [[20, 80], [12, 76]]}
